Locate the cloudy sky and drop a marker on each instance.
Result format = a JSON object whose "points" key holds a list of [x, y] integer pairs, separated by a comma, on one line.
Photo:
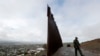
{"points": [[26, 20]]}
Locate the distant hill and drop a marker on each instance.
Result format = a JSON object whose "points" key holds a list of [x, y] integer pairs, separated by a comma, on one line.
{"points": [[12, 43], [18, 43], [93, 45]]}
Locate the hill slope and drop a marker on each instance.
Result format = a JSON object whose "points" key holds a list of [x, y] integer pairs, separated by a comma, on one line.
{"points": [[93, 46]]}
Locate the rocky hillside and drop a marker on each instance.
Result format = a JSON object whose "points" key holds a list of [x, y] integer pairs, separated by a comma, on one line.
{"points": [[93, 46]]}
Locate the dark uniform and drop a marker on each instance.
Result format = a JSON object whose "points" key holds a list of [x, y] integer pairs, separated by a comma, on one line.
{"points": [[77, 47]]}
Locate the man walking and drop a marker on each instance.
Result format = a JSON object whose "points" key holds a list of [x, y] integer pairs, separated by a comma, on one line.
{"points": [[77, 47]]}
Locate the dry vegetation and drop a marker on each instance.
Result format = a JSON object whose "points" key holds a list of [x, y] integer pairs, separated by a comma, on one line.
{"points": [[93, 46]]}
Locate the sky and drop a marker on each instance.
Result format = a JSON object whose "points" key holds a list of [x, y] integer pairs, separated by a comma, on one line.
{"points": [[26, 20]]}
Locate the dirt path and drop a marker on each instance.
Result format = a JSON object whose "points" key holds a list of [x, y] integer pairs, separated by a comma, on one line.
{"points": [[68, 51]]}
